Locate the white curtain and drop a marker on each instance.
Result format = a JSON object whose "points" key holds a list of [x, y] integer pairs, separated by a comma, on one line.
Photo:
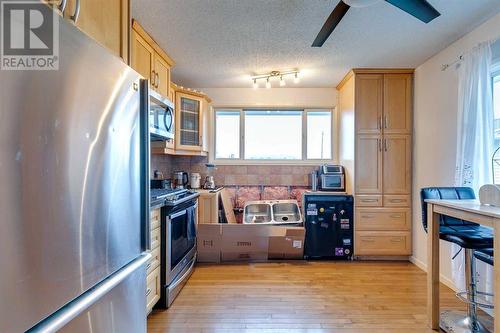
{"points": [[474, 141]]}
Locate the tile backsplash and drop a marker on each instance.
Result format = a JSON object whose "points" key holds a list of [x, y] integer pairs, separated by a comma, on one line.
{"points": [[227, 175]]}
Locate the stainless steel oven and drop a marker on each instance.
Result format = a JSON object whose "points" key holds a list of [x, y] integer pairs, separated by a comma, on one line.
{"points": [[161, 117], [178, 232]]}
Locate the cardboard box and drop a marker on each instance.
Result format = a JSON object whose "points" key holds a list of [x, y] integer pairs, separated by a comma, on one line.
{"points": [[286, 243], [244, 242], [209, 241]]}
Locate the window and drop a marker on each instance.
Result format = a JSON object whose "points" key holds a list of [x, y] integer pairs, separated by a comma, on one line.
{"points": [[319, 133], [273, 135], [227, 135]]}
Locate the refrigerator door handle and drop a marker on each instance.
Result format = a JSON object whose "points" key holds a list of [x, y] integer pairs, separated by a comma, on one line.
{"points": [[145, 148], [76, 307]]}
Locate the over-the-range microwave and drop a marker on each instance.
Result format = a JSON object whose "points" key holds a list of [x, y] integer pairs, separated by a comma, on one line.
{"points": [[161, 117]]}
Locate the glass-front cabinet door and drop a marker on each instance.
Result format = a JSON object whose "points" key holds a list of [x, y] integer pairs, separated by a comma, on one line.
{"points": [[189, 120]]}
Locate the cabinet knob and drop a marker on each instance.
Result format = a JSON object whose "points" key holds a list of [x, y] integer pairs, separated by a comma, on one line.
{"points": [[153, 77]]}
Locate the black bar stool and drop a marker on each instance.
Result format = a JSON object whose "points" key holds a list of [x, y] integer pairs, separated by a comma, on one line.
{"points": [[485, 255], [470, 236]]}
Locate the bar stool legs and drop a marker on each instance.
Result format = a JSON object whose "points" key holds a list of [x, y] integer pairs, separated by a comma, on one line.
{"points": [[456, 321]]}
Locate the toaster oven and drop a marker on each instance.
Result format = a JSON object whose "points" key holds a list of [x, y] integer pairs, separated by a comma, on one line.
{"points": [[332, 178]]}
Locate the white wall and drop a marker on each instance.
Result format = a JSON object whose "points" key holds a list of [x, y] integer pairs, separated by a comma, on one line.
{"points": [[277, 97], [435, 126]]}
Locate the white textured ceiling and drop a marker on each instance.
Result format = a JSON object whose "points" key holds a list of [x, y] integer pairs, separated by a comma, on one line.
{"points": [[220, 43]]}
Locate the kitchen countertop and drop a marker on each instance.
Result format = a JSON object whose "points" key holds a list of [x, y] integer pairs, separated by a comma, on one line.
{"points": [[158, 203]]}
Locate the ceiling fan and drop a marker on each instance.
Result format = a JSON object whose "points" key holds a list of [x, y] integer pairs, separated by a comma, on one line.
{"points": [[420, 9]]}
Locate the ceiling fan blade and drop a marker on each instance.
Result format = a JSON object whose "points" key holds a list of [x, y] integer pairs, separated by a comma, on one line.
{"points": [[330, 24], [420, 9]]}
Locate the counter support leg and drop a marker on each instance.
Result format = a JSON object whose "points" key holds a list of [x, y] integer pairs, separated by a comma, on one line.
{"points": [[496, 275], [433, 268]]}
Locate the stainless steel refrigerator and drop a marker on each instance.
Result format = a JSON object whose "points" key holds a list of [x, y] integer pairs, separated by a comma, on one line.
{"points": [[74, 197]]}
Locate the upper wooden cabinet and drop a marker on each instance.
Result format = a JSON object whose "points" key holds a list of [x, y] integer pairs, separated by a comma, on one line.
{"points": [[150, 60], [108, 22], [191, 117], [369, 103], [383, 103], [189, 121], [142, 59], [162, 80], [192, 113], [397, 103]]}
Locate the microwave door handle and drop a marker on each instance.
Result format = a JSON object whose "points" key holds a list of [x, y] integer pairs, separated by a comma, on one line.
{"points": [[168, 126]]}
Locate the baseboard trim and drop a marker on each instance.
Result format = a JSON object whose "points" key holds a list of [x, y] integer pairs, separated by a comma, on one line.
{"points": [[382, 258], [443, 279]]}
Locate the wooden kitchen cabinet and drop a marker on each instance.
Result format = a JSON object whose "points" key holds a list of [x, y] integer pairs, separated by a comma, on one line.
{"points": [[162, 81], [397, 115], [142, 58], [153, 266], [369, 152], [149, 60], [191, 121], [208, 206], [153, 286], [383, 219], [396, 164], [369, 103], [108, 22], [382, 243], [382, 102]]}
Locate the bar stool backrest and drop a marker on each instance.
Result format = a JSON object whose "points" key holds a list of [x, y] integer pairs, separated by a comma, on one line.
{"points": [[451, 193]]}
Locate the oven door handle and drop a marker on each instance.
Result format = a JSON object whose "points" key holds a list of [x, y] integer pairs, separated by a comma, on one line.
{"points": [[175, 215]]}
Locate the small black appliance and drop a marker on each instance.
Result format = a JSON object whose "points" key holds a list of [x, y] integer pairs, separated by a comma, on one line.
{"points": [[329, 226]]}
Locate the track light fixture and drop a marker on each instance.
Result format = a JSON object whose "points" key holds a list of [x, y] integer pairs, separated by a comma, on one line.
{"points": [[281, 75], [268, 84], [282, 81]]}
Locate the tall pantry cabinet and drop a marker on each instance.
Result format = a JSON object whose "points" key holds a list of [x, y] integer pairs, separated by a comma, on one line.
{"points": [[382, 159]]}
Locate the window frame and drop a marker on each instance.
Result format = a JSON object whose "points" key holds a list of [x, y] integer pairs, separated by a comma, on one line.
{"points": [[303, 161]]}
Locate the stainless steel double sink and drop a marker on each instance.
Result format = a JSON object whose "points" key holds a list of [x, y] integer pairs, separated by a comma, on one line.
{"points": [[272, 212]]}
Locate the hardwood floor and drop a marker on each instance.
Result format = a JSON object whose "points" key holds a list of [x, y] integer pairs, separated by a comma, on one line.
{"points": [[315, 297]]}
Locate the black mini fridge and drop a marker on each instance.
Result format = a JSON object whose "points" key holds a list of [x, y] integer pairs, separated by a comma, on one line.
{"points": [[329, 226]]}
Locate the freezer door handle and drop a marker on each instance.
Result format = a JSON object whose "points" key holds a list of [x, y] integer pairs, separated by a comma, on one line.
{"points": [[76, 307]]}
